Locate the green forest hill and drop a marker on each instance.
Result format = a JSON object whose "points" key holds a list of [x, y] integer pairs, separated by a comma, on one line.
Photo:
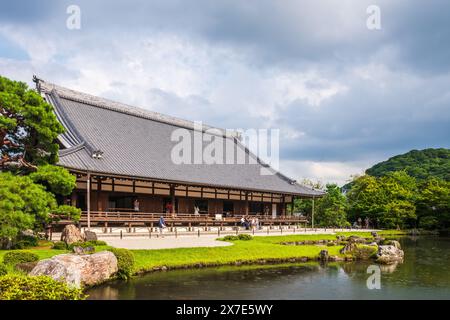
{"points": [[411, 190], [420, 164]]}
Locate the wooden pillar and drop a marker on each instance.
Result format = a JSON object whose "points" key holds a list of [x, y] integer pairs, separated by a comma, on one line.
{"points": [[99, 188], [172, 198], [88, 205], [312, 213], [246, 203], [292, 206]]}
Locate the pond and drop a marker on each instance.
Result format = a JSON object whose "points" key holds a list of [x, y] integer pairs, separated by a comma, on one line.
{"points": [[425, 274]]}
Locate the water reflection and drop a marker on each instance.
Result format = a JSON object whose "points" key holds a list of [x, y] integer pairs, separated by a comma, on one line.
{"points": [[423, 275]]}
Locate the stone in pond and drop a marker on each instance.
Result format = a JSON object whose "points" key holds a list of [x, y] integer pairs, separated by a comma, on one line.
{"points": [[389, 254]]}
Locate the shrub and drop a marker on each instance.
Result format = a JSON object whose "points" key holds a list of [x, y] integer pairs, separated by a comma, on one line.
{"points": [[97, 243], [429, 223], [93, 243], [20, 287], [244, 236], [26, 241], [14, 257], [229, 238], [60, 245], [125, 261], [3, 269]]}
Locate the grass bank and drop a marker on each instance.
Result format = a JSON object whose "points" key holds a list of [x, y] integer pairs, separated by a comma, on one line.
{"points": [[258, 250], [261, 249]]}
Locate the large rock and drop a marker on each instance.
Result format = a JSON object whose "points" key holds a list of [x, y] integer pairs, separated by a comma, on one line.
{"points": [[27, 233], [323, 255], [90, 235], [78, 270], [81, 250], [359, 252], [394, 243], [356, 239], [389, 254], [71, 234], [349, 248]]}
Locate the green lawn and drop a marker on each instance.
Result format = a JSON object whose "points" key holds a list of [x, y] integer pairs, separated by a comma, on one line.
{"points": [[244, 251], [260, 248], [42, 253]]}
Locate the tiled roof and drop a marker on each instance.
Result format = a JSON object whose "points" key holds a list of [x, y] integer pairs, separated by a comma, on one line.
{"points": [[137, 142]]}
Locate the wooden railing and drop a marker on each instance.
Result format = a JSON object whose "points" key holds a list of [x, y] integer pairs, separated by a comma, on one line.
{"points": [[183, 218]]}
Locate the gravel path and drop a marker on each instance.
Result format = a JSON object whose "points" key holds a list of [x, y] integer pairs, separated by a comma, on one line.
{"points": [[166, 242], [186, 241]]}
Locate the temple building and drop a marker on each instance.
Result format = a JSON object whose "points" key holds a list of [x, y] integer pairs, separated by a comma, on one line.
{"points": [[122, 158]]}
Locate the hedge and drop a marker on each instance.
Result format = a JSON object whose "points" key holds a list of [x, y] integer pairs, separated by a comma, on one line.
{"points": [[59, 245], [3, 269], [93, 243], [242, 236], [26, 242], [20, 287], [125, 261], [19, 256]]}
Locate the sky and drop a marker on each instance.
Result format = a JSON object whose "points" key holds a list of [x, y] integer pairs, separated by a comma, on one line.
{"points": [[343, 96]]}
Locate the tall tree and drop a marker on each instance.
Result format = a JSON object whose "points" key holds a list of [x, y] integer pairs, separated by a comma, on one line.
{"points": [[388, 201], [28, 128], [331, 209], [28, 146], [433, 204]]}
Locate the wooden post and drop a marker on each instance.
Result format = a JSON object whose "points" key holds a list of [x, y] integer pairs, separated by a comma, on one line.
{"points": [[246, 203], [292, 206], [172, 198], [99, 188], [88, 205], [312, 213]]}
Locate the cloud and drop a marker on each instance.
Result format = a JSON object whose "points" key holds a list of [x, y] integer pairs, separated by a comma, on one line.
{"points": [[343, 97]]}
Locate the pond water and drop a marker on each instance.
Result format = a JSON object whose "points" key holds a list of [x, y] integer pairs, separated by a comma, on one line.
{"points": [[425, 274]]}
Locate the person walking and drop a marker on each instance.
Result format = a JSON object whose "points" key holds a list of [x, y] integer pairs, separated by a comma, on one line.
{"points": [[258, 226], [253, 223], [161, 226], [243, 221]]}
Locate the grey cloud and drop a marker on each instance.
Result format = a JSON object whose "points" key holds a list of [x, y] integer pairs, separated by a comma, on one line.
{"points": [[407, 108]]}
